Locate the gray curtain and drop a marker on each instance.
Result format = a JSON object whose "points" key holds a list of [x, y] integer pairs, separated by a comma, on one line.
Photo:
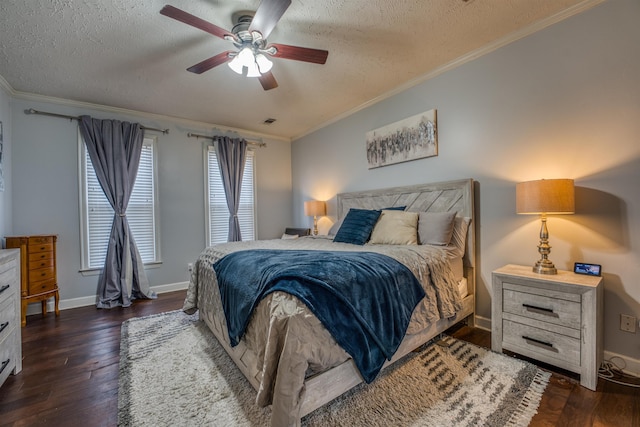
{"points": [[114, 148], [232, 153]]}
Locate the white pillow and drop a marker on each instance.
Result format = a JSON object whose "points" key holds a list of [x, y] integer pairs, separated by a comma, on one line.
{"points": [[286, 236], [396, 228], [335, 227]]}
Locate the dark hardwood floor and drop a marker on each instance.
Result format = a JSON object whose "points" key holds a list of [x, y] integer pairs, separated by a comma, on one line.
{"points": [[70, 375]]}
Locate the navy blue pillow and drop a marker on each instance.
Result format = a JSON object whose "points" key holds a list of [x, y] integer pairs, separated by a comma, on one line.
{"points": [[357, 226], [395, 208]]}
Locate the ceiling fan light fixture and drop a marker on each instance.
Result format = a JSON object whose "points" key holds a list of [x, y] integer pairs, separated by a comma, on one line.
{"points": [[249, 36], [246, 57], [263, 63], [236, 65], [252, 70]]}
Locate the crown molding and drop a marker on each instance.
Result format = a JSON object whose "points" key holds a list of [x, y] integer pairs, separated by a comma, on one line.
{"points": [[497, 44], [151, 116], [4, 85]]}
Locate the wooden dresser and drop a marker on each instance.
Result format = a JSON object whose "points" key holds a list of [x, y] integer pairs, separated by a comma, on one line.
{"points": [[556, 319], [37, 270], [10, 331]]}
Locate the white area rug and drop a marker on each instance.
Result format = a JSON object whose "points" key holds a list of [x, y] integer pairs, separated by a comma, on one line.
{"points": [[173, 372]]}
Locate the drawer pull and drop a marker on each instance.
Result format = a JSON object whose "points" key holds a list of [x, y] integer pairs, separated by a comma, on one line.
{"points": [[3, 326], [4, 288], [541, 344], [540, 310], [4, 365]]}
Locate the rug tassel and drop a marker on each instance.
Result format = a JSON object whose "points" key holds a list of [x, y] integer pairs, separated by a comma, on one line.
{"points": [[529, 405]]}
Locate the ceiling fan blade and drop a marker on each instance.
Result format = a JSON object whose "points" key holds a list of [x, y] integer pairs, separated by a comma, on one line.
{"points": [[208, 64], [298, 53], [268, 81], [194, 21], [267, 16]]}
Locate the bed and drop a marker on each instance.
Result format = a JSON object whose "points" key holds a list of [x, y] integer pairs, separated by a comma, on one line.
{"points": [[287, 353]]}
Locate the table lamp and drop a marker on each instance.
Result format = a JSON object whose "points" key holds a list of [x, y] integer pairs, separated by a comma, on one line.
{"points": [[315, 208], [545, 197]]}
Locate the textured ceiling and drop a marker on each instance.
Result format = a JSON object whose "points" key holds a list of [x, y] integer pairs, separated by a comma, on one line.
{"points": [[124, 54]]}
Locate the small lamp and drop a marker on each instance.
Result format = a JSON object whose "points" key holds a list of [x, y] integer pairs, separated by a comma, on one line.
{"points": [[545, 196], [315, 208]]}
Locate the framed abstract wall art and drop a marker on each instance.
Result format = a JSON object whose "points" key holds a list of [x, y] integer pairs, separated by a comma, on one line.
{"points": [[413, 138]]}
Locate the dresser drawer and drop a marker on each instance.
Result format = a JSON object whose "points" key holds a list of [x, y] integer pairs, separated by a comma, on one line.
{"points": [[551, 309], [8, 354], [540, 344], [7, 289], [41, 274], [8, 318], [39, 240], [36, 288], [39, 256], [46, 262], [42, 247], [8, 285]]}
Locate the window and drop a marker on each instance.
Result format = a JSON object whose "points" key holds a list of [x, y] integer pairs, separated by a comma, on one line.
{"points": [[216, 203], [97, 215]]}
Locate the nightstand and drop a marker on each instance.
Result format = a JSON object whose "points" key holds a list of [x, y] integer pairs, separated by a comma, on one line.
{"points": [[556, 319]]}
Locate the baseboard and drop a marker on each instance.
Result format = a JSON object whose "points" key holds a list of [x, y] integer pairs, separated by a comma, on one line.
{"points": [[629, 365], [66, 304], [483, 323]]}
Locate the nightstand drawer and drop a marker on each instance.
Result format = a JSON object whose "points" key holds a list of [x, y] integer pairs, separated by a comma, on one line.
{"points": [[563, 312], [540, 344]]}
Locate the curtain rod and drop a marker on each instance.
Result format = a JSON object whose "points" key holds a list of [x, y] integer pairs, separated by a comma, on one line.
{"points": [[256, 143], [64, 116]]}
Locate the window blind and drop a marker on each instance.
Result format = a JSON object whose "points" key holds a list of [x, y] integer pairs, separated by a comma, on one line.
{"points": [[140, 211], [218, 212]]}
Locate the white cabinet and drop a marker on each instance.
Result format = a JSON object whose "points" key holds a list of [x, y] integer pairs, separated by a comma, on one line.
{"points": [[10, 329], [556, 319]]}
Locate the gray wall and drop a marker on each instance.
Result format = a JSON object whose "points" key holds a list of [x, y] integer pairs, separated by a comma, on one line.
{"points": [[561, 103], [45, 190], [5, 196]]}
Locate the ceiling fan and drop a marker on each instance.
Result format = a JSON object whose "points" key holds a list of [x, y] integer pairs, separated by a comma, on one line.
{"points": [[249, 35]]}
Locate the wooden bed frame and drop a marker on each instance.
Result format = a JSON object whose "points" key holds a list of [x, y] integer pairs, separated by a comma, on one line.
{"points": [[437, 197]]}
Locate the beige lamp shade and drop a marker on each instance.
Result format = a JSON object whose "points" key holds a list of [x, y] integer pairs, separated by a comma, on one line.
{"points": [[315, 208], [545, 196]]}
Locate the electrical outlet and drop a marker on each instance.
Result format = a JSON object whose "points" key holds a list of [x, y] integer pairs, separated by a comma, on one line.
{"points": [[190, 267], [627, 323]]}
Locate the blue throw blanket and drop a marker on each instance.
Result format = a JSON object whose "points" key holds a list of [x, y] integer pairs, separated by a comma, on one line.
{"points": [[364, 299]]}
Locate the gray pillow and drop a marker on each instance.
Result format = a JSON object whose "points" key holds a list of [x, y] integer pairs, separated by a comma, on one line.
{"points": [[459, 236], [435, 228]]}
